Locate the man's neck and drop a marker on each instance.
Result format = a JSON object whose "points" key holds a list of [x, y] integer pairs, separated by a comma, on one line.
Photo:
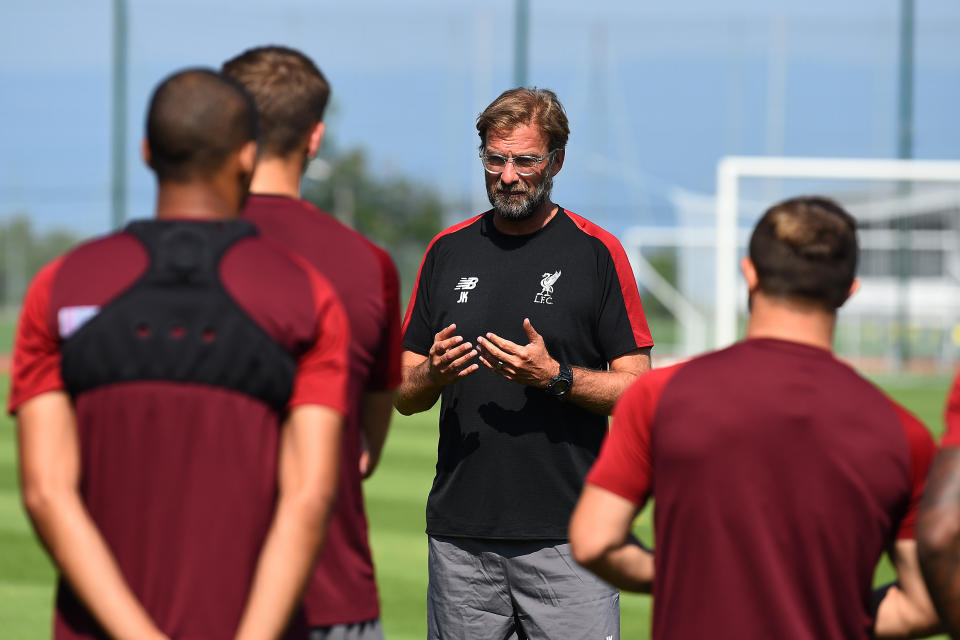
{"points": [[537, 221], [786, 319], [195, 201], [278, 176]]}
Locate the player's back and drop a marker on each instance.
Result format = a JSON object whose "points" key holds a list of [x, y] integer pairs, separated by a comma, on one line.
{"points": [[178, 342], [781, 476], [343, 590]]}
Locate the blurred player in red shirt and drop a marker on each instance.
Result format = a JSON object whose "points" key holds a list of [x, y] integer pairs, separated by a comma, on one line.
{"points": [[938, 525], [779, 475], [291, 95], [179, 389]]}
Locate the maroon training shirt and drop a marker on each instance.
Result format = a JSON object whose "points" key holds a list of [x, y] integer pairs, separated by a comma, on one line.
{"points": [[180, 478], [342, 589], [779, 476]]}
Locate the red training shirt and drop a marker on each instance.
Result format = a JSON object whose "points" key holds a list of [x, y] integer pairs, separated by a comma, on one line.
{"points": [[180, 478], [342, 589], [779, 477]]}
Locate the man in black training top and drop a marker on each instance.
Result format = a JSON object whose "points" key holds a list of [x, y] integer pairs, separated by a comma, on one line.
{"points": [[527, 322]]}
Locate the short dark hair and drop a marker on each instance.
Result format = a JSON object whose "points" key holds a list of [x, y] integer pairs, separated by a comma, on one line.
{"points": [[806, 248], [196, 119], [521, 106], [290, 92]]}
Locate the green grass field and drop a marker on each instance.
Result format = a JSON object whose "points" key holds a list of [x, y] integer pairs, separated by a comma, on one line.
{"points": [[396, 498]]}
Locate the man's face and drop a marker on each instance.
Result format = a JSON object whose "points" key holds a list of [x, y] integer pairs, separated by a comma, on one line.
{"points": [[513, 196]]}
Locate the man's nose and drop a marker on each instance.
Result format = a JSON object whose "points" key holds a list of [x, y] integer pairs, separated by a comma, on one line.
{"points": [[509, 175]]}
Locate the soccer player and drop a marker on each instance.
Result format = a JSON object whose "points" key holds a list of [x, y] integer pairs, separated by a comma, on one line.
{"points": [[179, 389], [552, 305], [938, 525], [779, 475], [291, 94]]}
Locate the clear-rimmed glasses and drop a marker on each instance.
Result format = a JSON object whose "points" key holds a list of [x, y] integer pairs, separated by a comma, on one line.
{"points": [[523, 165]]}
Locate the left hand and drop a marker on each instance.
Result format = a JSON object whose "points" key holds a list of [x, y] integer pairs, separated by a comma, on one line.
{"points": [[528, 364]]}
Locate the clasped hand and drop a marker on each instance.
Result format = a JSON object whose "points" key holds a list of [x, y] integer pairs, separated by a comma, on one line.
{"points": [[529, 364]]}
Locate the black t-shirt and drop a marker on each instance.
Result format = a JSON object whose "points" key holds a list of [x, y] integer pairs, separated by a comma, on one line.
{"points": [[511, 458]]}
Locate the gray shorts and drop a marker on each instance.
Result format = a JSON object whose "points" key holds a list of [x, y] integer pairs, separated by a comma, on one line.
{"points": [[515, 590], [369, 630]]}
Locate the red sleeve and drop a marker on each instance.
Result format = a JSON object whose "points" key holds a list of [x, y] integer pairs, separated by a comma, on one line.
{"points": [[624, 277], [951, 417], [922, 451], [625, 464], [36, 347], [386, 368], [322, 370]]}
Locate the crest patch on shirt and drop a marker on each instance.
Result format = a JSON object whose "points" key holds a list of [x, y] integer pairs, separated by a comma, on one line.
{"points": [[546, 287]]}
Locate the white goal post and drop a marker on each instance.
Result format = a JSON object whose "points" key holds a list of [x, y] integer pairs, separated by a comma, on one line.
{"points": [[731, 169]]}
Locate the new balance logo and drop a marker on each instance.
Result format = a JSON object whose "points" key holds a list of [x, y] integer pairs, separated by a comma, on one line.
{"points": [[546, 288], [464, 286]]}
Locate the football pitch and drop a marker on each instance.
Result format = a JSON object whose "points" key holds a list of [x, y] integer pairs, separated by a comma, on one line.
{"points": [[396, 497]]}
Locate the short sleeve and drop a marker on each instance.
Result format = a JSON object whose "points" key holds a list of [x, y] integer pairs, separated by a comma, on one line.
{"points": [[418, 331], [322, 370], [625, 465], [922, 452], [622, 311], [36, 346], [386, 368], [622, 325], [951, 417]]}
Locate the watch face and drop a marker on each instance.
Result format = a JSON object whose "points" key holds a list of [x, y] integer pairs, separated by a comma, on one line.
{"points": [[560, 387]]}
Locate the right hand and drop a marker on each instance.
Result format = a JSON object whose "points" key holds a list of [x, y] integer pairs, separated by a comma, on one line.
{"points": [[449, 357]]}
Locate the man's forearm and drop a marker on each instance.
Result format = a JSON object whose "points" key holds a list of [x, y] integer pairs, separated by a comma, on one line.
{"points": [[375, 417], [417, 392], [82, 555], [628, 567], [598, 391], [906, 610], [901, 616], [286, 560], [938, 537], [49, 450]]}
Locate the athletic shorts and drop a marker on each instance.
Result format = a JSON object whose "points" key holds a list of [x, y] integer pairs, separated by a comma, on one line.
{"points": [[369, 630], [515, 590]]}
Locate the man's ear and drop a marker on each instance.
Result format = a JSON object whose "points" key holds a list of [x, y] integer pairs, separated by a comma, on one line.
{"points": [[854, 287], [558, 161], [145, 152], [749, 273], [247, 157], [313, 142]]}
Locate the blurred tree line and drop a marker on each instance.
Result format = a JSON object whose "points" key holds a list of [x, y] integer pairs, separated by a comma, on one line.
{"points": [[396, 213], [23, 251], [399, 215]]}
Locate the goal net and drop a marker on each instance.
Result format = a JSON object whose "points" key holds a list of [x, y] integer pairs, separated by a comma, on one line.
{"points": [[907, 311]]}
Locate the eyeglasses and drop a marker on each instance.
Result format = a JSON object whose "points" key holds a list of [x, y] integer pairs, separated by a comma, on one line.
{"points": [[523, 165]]}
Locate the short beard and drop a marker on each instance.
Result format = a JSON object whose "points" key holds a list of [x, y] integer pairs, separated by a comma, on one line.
{"points": [[520, 209]]}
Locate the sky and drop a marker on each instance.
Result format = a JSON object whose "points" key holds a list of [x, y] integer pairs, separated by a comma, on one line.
{"points": [[656, 92]]}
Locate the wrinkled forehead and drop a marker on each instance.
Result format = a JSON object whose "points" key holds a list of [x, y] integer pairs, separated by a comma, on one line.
{"points": [[525, 139]]}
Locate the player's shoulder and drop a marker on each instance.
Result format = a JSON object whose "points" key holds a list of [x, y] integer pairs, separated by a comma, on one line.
{"points": [[649, 386], [106, 246], [915, 430], [457, 231], [592, 230], [118, 255]]}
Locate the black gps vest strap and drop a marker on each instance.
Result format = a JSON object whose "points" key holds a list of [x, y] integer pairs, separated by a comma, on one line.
{"points": [[178, 323]]}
